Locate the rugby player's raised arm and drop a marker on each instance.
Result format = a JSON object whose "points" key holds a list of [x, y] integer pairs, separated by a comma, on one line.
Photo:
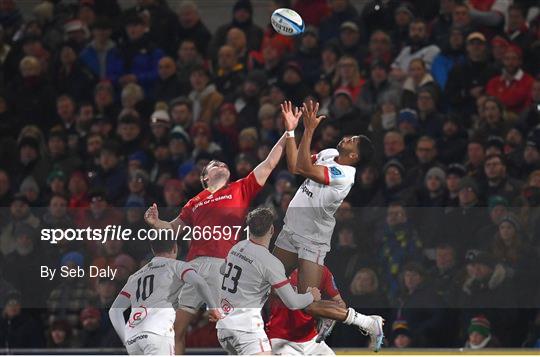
{"points": [[291, 115], [304, 164], [151, 216], [265, 168]]}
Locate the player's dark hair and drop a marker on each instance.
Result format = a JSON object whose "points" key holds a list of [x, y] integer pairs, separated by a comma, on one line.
{"points": [[366, 149], [163, 244], [259, 221]]}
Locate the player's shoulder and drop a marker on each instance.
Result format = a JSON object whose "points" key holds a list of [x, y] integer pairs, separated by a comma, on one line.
{"points": [[343, 172], [327, 154]]}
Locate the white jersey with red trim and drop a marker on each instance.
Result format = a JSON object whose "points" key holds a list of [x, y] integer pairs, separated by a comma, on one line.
{"points": [[153, 291], [249, 272], [311, 211]]}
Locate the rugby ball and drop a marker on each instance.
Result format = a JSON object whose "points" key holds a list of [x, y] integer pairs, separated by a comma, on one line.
{"points": [[287, 22]]}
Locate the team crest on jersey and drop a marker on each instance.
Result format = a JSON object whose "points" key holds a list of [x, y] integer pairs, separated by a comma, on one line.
{"points": [[226, 306], [139, 314], [335, 172]]}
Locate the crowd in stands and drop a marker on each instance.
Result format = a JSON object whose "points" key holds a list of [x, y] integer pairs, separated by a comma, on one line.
{"points": [[105, 110]]}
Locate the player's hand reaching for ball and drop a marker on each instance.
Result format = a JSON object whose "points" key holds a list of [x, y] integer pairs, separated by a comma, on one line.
{"points": [[151, 216], [214, 315], [291, 115], [311, 120], [315, 292]]}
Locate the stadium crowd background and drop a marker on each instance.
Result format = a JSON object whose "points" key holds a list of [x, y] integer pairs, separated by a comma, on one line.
{"points": [[104, 111]]}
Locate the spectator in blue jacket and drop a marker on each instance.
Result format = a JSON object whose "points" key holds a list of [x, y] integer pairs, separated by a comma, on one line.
{"points": [[452, 54], [101, 55], [141, 56]]}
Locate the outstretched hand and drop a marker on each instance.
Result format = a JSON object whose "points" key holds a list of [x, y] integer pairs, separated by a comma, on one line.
{"points": [[151, 216], [291, 115], [311, 120]]}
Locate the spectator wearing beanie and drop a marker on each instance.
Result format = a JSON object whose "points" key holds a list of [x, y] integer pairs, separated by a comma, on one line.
{"points": [[454, 174], [18, 328], [393, 187], [191, 27], [513, 86], [463, 222], [242, 18], [479, 334], [432, 194], [111, 174], [452, 146], [452, 53], [345, 115], [308, 55], [401, 335], [340, 12], [498, 208], [60, 335]]}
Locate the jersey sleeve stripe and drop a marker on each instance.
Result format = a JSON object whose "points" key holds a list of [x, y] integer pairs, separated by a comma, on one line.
{"points": [[326, 176], [125, 293], [184, 272], [281, 284]]}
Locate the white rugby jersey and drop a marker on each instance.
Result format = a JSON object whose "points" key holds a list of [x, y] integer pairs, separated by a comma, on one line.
{"points": [[311, 211], [153, 292], [249, 272]]}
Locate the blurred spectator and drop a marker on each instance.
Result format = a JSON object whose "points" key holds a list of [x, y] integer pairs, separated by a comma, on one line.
{"points": [[452, 145], [230, 73], [421, 307], [479, 332], [72, 77], [426, 157], [190, 26], [168, 85], [308, 55], [401, 335], [204, 96], [452, 53], [242, 18], [91, 334], [530, 117], [18, 329], [350, 41], [398, 243], [60, 335], [188, 57], [513, 86], [464, 221], [377, 88], [313, 11], [19, 214], [71, 294], [498, 182], [140, 56], [340, 12], [418, 48], [348, 76], [446, 273], [345, 115], [418, 79], [466, 81], [101, 55]]}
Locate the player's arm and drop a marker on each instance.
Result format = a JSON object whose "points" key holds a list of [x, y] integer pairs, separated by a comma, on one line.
{"points": [[304, 164], [265, 168], [151, 217], [291, 115], [116, 314], [339, 300], [295, 301]]}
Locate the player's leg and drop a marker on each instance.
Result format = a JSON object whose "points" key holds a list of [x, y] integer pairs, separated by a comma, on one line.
{"points": [[286, 250], [158, 345], [133, 347], [183, 319], [288, 259], [284, 347], [309, 274], [318, 349]]}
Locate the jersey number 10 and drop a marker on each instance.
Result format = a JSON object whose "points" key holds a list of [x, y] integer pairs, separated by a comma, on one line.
{"points": [[234, 279], [147, 287]]}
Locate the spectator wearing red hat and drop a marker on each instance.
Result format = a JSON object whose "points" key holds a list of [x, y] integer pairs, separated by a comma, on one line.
{"points": [[92, 334], [269, 58], [513, 86], [227, 127]]}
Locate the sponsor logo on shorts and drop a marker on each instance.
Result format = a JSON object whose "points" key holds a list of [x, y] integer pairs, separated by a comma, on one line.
{"points": [[135, 339]]}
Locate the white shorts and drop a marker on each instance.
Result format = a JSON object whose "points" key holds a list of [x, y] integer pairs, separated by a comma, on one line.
{"points": [[305, 249], [243, 343], [284, 347], [148, 343], [209, 269]]}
